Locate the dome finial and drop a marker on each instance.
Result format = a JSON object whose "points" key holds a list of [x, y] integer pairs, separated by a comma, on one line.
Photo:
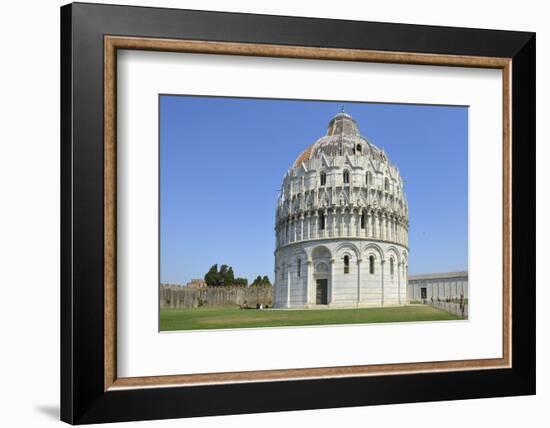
{"points": [[342, 111]]}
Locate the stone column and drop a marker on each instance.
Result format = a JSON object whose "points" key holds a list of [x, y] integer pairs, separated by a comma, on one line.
{"points": [[316, 224], [309, 280], [342, 222], [291, 230], [301, 226], [357, 215], [288, 286], [288, 230], [382, 262], [359, 281], [325, 230], [399, 282], [332, 284], [396, 230], [308, 224], [368, 225]]}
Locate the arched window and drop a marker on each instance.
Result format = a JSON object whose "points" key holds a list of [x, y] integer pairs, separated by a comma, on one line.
{"points": [[323, 179], [371, 265], [391, 266], [368, 178], [322, 222], [362, 220], [346, 177], [386, 184], [358, 148], [346, 264], [299, 270]]}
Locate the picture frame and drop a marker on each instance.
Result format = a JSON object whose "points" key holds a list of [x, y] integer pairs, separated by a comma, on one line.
{"points": [[91, 391]]}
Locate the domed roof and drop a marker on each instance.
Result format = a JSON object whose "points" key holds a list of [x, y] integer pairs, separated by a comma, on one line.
{"points": [[342, 138], [342, 124]]}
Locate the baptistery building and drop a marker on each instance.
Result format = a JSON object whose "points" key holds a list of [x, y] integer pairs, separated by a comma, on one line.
{"points": [[341, 225]]}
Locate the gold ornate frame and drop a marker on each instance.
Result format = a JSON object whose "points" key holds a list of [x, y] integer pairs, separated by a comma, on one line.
{"points": [[114, 43]]}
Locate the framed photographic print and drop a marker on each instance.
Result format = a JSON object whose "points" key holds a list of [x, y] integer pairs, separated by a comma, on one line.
{"points": [[272, 213]]}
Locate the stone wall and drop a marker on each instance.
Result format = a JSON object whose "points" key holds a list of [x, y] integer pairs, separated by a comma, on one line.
{"points": [[449, 285], [173, 296]]}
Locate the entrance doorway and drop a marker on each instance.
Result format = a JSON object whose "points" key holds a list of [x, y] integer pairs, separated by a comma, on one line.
{"points": [[423, 293], [321, 295]]}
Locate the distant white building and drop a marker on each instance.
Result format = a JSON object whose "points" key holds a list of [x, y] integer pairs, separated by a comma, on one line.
{"points": [[452, 285], [341, 225]]}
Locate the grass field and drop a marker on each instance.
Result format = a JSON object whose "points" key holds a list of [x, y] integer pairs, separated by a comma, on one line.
{"points": [[212, 318]]}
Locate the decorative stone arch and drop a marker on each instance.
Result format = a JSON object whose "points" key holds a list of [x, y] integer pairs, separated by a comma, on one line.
{"points": [[299, 252], [374, 249], [393, 251], [404, 263], [319, 251], [347, 248]]}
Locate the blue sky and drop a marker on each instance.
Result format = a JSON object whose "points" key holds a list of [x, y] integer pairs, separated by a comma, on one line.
{"points": [[222, 161]]}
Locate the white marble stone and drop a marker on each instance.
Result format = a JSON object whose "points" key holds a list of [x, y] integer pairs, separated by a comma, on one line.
{"points": [[341, 208]]}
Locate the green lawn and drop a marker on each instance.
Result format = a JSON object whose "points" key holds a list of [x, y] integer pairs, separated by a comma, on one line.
{"points": [[211, 318]]}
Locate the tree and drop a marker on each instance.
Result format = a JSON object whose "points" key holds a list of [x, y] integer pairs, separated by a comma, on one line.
{"points": [[212, 277], [223, 270], [229, 278], [240, 282], [226, 276], [261, 281]]}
